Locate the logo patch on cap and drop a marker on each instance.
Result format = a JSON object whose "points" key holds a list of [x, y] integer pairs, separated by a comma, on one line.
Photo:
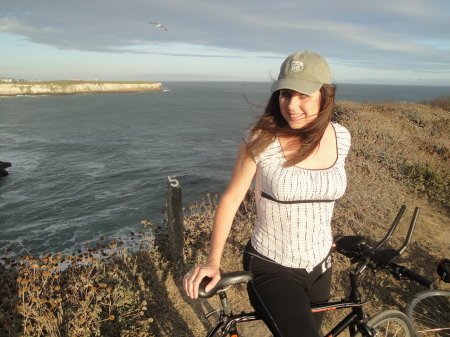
{"points": [[297, 66]]}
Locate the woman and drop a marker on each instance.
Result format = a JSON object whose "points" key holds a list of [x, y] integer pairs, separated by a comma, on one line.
{"points": [[296, 156]]}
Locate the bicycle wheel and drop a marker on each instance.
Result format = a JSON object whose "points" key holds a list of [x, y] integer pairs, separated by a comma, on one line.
{"points": [[429, 312], [390, 323]]}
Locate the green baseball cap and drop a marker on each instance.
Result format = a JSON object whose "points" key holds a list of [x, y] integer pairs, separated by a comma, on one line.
{"points": [[304, 72]]}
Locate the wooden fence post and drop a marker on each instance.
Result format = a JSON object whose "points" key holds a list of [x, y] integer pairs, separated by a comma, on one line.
{"points": [[174, 251]]}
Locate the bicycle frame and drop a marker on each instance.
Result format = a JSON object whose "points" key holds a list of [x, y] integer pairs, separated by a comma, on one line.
{"points": [[354, 321]]}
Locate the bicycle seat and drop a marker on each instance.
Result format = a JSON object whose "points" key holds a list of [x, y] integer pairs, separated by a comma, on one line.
{"points": [[227, 279], [351, 246], [348, 242]]}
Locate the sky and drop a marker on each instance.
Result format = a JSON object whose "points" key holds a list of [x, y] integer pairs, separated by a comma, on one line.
{"points": [[372, 42]]}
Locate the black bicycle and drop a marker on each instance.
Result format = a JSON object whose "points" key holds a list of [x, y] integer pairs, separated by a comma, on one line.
{"points": [[386, 323]]}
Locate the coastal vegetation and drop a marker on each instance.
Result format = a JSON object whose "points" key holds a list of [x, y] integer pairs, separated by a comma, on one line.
{"points": [[126, 287], [440, 102]]}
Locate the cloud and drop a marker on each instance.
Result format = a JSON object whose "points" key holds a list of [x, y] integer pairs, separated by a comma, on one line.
{"points": [[388, 34]]}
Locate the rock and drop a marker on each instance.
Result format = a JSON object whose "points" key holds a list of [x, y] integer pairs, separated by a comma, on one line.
{"points": [[3, 166]]}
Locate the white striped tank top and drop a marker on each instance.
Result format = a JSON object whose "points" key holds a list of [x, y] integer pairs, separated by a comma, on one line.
{"points": [[295, 205]]}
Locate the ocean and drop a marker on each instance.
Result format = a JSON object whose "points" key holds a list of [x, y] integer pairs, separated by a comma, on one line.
{"points": [[95, 165]]}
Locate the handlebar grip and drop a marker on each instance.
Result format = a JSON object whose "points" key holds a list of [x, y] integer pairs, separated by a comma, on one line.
{"points": [[201, 288], [412, 275]]}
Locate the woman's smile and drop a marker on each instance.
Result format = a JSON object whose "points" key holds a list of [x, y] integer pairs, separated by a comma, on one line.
{"points": [[299, 109], [295, 117]]}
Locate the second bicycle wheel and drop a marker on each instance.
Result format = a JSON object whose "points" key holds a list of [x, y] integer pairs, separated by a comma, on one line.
{"points": [[429, 312], [390, 323]]}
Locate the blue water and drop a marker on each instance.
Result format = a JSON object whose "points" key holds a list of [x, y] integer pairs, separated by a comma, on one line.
{"points": [[85, 166]]}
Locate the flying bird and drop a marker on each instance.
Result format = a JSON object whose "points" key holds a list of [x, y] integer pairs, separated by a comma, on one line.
{"points": [[159, 25]]}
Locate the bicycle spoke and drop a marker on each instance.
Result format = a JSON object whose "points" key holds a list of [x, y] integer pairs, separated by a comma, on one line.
{"points": [[438, 331], [432, 317], [390, 323]]}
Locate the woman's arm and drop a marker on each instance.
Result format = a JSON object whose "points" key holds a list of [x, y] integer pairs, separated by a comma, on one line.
{"points": [[241, 179]]}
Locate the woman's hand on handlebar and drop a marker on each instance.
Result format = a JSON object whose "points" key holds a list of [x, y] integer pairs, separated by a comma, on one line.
{"points": [[192, 279]]}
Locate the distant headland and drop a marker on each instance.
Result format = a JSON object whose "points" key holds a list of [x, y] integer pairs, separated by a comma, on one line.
{"points": [[18, 88]]}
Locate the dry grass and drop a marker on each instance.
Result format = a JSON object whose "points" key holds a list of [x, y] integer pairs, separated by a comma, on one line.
{"points": [[99, 291], [399, 156], [440, 102]]}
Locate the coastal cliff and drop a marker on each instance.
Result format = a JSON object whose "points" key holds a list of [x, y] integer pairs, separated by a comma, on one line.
{"points": [[74, 87]]}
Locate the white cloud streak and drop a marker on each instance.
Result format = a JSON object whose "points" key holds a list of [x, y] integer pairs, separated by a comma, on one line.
{"points": [[387, 33]]}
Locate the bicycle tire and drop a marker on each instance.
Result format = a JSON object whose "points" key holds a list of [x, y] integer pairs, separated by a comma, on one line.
{"points": [[390, 323], [429, 312]]}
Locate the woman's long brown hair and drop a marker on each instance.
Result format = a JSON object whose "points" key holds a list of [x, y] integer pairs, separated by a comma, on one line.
{"points": [[272, 125]]}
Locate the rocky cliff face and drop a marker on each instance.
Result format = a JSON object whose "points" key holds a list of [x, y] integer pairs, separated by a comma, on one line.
{"points": [[67, 87]]}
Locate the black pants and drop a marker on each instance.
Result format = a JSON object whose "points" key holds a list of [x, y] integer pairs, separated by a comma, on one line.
{"points": [[282, 295]]}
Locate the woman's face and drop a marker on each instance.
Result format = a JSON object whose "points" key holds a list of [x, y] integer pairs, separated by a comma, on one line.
{"points": [[299, 109]]}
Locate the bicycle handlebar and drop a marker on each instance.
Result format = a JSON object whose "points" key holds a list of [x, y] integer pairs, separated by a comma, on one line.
{"points": [[354, 248], [392, 228], [400, 271], [410, 230], [386, 256]]}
